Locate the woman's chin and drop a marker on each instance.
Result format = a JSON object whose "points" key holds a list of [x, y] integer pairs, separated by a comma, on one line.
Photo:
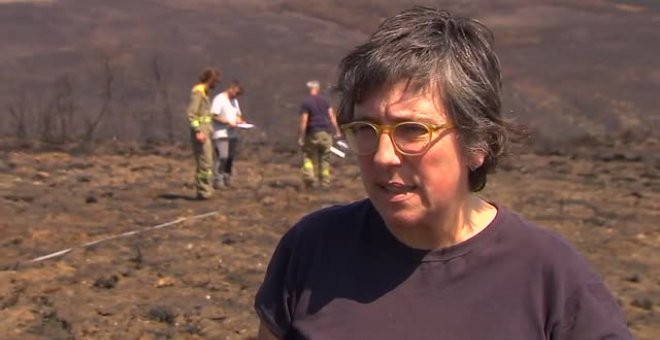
{"points": [[398, 213]]}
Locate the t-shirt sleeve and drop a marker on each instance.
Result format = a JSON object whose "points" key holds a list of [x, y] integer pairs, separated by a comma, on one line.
{"points": [[193, 110], [304, 108], [216, 105], [238, 108], [274, 300], [591, 313]]}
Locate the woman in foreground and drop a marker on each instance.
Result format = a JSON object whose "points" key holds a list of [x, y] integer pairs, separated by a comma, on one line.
{"points": [[425, 257]]}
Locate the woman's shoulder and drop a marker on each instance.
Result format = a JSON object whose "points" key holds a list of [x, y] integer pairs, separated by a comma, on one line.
{"points": [[336, 221], [544, 247], [525, 231]]}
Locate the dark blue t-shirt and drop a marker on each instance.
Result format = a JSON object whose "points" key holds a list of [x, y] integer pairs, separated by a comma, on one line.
{"points": [[340, 274], [316, 106]]}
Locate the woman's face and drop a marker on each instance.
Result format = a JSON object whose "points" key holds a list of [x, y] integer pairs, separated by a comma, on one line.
{"points": [[415, 190]]}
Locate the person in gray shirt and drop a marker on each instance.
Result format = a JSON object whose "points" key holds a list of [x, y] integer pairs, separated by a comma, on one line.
{"points": [[424, 256]]}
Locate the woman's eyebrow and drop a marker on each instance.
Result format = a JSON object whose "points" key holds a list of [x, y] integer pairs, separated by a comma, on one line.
{"points": [[410, 115], [365, 119], [395, 121]]}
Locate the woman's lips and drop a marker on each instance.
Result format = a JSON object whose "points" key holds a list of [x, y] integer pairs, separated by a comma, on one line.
{"points": [[396, 188]]}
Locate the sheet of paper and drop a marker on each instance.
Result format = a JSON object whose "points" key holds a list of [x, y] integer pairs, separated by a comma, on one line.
{"points": [[337, 152], [342, 144]]}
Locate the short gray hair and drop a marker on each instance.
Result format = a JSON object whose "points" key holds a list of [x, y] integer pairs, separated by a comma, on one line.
{"points": [[313, 84], [431, 49]]}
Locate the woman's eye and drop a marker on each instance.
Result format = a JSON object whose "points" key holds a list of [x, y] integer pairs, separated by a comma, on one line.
{"points": [[411, 130], [363, 129]]}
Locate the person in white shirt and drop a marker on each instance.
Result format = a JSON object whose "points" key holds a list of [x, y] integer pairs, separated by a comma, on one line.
{"points": [[226, 116]]}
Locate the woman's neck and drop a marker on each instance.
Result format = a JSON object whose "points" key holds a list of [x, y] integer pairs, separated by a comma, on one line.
{"points": [[452, 226]]}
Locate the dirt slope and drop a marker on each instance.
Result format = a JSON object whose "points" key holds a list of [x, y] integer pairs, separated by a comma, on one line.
{"points": [[196, 278]]}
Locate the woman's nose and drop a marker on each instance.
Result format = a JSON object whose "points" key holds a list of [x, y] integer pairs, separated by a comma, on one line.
{"points": [[386, 151]]}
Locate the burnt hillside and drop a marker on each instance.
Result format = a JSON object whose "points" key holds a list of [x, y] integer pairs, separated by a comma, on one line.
{"points": [[582, 71]]}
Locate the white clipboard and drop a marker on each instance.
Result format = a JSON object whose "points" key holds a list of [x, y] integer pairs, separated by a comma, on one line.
{"points": [[342, 144]]}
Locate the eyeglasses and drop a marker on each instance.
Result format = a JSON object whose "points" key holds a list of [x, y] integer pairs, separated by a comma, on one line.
{"points": [[408, 138]]}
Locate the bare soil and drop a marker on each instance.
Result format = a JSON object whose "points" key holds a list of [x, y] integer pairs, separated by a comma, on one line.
{"points": [[196, 276]]}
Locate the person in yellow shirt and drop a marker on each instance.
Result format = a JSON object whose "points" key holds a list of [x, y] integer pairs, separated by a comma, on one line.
{"points": [[199, 119]]}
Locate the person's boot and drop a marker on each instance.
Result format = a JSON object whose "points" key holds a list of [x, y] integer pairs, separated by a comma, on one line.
{"points": [[227, 180], [202, 197], [218, 183], [309, 184]]}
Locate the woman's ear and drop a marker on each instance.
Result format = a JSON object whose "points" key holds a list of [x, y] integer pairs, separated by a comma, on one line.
{"points": [[476, 159]]}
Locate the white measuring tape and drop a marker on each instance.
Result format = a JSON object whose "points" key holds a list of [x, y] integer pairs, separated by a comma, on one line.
{"points": [[128, 233]]}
